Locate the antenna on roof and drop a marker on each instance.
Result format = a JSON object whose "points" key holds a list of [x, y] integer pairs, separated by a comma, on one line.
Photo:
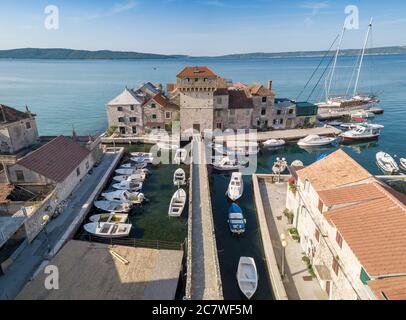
{"points": [[74, 136]]}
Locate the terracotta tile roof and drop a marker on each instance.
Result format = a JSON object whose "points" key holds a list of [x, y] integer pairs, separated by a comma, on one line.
{"points": [[5, 191], [9, 115], [238, 100], [170, 87], [240, 85], [351, 194], [198, 71], [374, 232], [160, 99], [259, 90], [393, 288], [336, 170], [55, 160]]}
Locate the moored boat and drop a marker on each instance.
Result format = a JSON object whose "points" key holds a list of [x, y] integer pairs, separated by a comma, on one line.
{"points": [[402, 163], [167, 146], [177, 204], [124, 196], [273, 143], [110, 217], [179, 178], [112, 206], [108, 230], [128, 185], [236, 186], [180, 156], [279, 166], [226, 164], [362, 132], [361, 116], [141, 154], [130, 171], [315, 140], [247, 276], [236, 220], [386, 163], [141, 160], [133, 177]]}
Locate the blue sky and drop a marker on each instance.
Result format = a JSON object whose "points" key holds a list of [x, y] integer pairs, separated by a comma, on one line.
{"points": [[198, 27]]}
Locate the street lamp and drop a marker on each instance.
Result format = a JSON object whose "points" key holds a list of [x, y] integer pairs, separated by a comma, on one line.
{"points": [[45, 220], [284, 245]]}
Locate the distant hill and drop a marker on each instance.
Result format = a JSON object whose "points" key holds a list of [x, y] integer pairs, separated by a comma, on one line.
{"points": [[32, 53]]}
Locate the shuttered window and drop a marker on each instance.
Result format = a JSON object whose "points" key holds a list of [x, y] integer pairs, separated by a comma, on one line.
{"points": [[320, 205], [317, 235], [335, 266], [339, 239]]}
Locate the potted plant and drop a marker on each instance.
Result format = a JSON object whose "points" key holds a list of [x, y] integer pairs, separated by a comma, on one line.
{"points": [[292, 185], [289, 215], [294, 234]]}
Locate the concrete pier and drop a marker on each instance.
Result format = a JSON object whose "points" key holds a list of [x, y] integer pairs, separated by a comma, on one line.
{"points": [[203, 280]]}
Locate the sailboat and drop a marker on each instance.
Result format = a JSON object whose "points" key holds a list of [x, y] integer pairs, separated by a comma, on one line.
{"points": [[356, 100]]}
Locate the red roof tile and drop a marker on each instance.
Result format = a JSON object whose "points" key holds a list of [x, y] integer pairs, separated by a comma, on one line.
{"points": [[393, 288], [9, 115], [198, 71], [56, 160]]}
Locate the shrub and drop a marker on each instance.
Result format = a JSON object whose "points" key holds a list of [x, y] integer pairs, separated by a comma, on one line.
{"points": [[111, 131]]}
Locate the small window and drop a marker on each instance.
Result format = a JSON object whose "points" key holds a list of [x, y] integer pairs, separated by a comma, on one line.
{"points": [[133, 119], [20, 175], [205, 79], [168, 115], [280, 121], [196, 79], [263, 99], [121, 119], [154, 116], [307, 185], [335, 266], [275, 121], [290, 111], [339, 239], [320, 206], [258, 123], [263, 112], [153, 105], [119, 108], [28, 125], [187, 79], [132, 108], [134, 130], [278, 112], [78, 172], [317, 235], [218, 125]]}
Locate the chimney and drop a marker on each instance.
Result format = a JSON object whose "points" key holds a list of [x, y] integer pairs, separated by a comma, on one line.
{"points": [[270, 85]]}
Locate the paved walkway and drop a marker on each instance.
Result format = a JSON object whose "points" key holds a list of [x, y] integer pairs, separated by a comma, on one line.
{"points": [[297, 284], [22, 269], [206, 283]]}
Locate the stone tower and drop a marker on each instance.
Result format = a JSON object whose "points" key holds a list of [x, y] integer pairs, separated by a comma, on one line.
{"points": [[196, 86]]}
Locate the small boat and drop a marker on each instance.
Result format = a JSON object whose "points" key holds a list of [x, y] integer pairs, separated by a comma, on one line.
{"points": [[218, 148], [272, 143], [177, 203], [110, 217], [335, 123], [362, 132], [135, 166], [226, 164], [348, 125], [180, 156], [131, 171], [362, 115], [386, 163], [247, 276], [279, 166], [108, 230], [141, 160], [314, 140], [235, 187], [297, 164], [124, 196], [128, 185], [236, 220], [112, 206], [402, 163], [167, 146], [133, 177], [179, 178], [142, 154]]}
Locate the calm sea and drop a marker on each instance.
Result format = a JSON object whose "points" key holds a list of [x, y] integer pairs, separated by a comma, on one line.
{"points": [[74, 93]]}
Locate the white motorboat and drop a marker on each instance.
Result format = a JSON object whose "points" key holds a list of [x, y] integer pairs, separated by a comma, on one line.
{"points": [[135, 166], [279, 166], [226, 164], [362, 115], [124, 196], [179, 178], [273, 143], [402, 163], [247, 276], [362, 132], [112, 206], [386, 163], [236, 186], [142, 154], [348, 125], [133, 177], [167, 146], [297, 163], [110, 217], [315, 140], [177, 203], [129, 172], [180, 156], [141, 160], [128, 185], [108, 230]]}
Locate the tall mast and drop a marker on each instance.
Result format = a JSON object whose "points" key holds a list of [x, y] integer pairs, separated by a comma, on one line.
{"points": [[334, 64], [362, 57]]}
